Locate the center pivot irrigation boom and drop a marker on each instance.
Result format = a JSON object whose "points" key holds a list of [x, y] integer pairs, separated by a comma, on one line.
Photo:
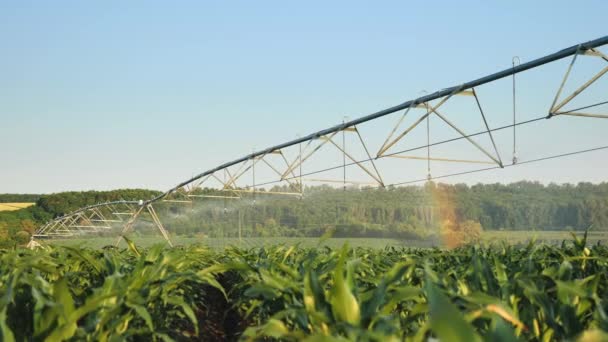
{"points": [[229, 177]]}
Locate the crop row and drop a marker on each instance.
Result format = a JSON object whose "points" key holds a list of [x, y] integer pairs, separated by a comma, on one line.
{"points": [[500, 292]]}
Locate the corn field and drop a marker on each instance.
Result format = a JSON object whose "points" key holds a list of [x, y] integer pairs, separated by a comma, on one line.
{"points": [[498, 292]]}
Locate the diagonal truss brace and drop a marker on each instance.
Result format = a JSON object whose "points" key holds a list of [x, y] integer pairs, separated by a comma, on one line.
{"points": [[496, 159], [231, 185], [159, 224], [387, 145], [375, 176], [300, 160], [329, 138], [556, 108], [275, 170], [150, 209]]}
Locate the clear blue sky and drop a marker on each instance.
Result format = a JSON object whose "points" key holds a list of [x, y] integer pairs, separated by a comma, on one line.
{"points": [[109, 94]]}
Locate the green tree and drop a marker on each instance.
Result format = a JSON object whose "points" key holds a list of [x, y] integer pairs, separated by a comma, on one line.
{"points": [[22, 237]]}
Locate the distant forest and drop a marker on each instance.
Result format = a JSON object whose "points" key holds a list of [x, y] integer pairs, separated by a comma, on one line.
{"points": [[19, 198], [391, 212], [401, 211]]}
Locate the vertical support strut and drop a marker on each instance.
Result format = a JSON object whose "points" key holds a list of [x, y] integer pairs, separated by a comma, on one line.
{"points": [[428, 139], [225, 170], [300, 167], [253, 179], [515, 61], [240, 225], [428, 147], [344, 157]]}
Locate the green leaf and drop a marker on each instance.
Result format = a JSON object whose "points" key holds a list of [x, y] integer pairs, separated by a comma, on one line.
{"points": [[177, 301], [165, 337], [326, 236], [63, 332], [566, 289], [593, 335], [132, 246], [324, 338], [379, 295], [501, 275], [7, 334], [85, 256], [314, 296], [502, 332], [446, 320], [273, 328], [344, 304], [143, 313], [262, 290], [63, 296]]}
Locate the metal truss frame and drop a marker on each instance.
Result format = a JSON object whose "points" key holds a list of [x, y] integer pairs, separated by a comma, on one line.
{"points": [[99, 218], [237, 179], [90, 219], [430, 109]]}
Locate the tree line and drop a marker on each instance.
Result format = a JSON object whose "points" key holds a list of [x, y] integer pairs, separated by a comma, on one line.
{"points": [[413, 211], [19, 198], [405, 212]]}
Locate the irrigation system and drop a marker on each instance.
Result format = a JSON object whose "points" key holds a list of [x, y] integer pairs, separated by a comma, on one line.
{"points": [[283, 163]]}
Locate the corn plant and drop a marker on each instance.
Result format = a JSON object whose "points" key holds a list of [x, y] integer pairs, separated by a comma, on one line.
{"points": [[67, 293], [497, 292], [501, 292]]}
